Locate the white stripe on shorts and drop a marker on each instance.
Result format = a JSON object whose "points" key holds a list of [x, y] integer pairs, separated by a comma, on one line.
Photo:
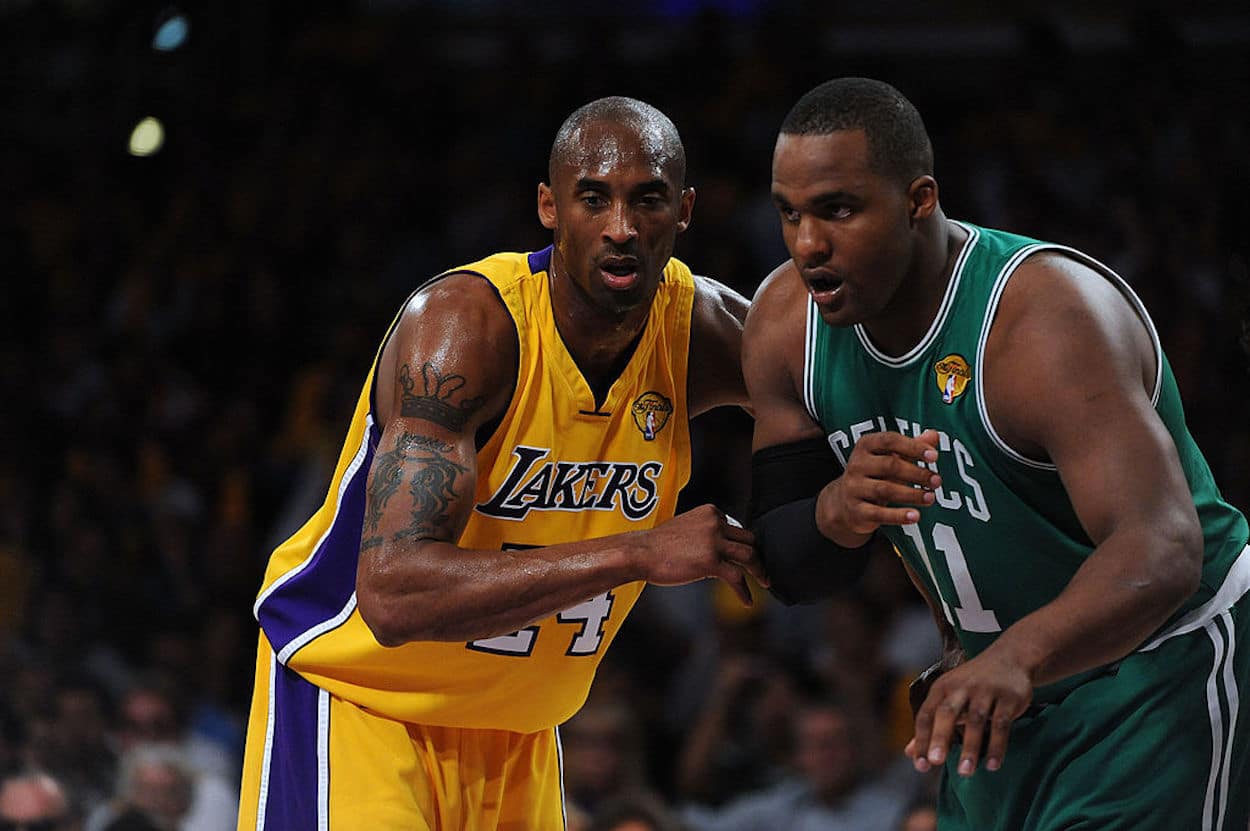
{"points": [[1220, 680]]}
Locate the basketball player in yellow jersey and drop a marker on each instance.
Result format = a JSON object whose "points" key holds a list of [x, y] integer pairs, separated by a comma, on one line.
{"points": [[507, 487]]}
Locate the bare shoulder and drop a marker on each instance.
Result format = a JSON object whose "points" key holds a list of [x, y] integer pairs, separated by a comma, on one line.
{"points": [[718, 311], [1055, 300], [777, 321], [1052, 283], [1063, 324], [456, 337], [779, 291], [772, 359], [717, 318]]}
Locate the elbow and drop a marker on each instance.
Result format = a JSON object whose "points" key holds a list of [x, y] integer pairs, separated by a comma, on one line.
{"points": [[379, 615], [1181, 562], [395, 612]]}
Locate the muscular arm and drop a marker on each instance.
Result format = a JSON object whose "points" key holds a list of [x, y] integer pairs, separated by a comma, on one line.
{"points": [[715, 375], [1070, 370], [434, 391], [772, 361], [1099, 427]]}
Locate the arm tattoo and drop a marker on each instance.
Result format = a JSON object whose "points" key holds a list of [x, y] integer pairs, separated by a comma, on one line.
{"points": [[432, 487], [434, 402], [386, 476]]}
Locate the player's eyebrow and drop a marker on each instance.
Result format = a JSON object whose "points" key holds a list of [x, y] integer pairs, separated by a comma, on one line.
{"points": [[838, 197], [588, 183]]}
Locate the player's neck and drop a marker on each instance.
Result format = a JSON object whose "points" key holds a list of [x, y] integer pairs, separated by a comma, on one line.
{"points": [[908, 317], [600, 341]]}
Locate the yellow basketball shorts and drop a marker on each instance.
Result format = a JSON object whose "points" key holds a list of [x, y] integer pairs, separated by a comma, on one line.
{"points": [[314, 761]]}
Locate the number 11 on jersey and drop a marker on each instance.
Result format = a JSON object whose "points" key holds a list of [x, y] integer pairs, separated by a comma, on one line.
{"points": [[972, 616]]}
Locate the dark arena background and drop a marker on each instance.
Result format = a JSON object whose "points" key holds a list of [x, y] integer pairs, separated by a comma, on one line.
{"points": [[212, 211]]}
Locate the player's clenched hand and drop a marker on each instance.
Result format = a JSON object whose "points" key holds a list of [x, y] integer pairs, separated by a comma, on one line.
{"points": [[882, 485], [699, 543], [983, 697]]}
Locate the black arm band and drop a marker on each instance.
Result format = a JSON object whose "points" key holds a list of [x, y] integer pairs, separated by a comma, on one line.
{"points": [[786, 472], [802, 564]]}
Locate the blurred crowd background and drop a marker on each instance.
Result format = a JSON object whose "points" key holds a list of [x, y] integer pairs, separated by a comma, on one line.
{"points": [[183, 335]]}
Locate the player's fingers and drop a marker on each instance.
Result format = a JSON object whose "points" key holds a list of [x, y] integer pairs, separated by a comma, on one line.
{"points": [[975, 719], [918, 760], [919, 743], [736, 580], [881, 492], [737, 533], [891, 443], [894, 469], [869, 517], [746, 558], [944, 717], [1000, 732]]}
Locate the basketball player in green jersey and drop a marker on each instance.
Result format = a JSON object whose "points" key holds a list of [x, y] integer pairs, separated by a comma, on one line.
{"points": [[1000, 411]]}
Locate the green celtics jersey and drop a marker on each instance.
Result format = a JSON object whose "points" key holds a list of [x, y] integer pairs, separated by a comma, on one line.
{"points": [[1002, 538]]}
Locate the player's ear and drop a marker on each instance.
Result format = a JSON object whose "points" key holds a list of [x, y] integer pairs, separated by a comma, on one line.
{"points": [[685, 209], [922, 197], [546, 207]]}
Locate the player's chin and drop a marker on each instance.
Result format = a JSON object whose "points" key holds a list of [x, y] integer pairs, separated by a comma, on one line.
{"points": [[638, 293], [839, 315]]}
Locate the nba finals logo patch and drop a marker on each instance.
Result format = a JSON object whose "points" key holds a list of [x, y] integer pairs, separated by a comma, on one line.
{"points": [[953, 376], [651, 411]]}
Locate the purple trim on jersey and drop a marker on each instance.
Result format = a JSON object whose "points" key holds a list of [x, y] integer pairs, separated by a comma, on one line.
{"points": [[293, 793], [540, 260], [322, 589]]}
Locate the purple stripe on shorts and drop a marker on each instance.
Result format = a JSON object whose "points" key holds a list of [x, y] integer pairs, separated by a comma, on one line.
{"points": [[292, 800]]}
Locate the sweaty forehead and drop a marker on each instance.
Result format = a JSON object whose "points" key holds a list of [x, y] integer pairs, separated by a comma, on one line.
{"points": [[837, 158], [599, 149]]}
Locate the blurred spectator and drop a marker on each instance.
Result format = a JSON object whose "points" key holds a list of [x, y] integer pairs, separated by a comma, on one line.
{"points": [[156, 712], [36, 802], [831, 787], [154, 789], [603, 756], [72, 740], [634, 813], [12, 741], [152, 718], [921, 816], [159, 785], [741, 740]]}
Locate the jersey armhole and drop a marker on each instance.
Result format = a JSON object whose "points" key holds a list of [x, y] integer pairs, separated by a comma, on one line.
{"points": [[991, 312]]}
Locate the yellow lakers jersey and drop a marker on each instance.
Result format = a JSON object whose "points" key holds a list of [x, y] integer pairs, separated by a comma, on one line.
{"points": [[557, 469]]}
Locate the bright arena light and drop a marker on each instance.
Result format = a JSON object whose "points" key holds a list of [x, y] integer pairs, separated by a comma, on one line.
{"points": [[147, 137], [172, 33]]}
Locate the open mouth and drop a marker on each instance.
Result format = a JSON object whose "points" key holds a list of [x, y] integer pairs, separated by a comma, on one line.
{"points": [[619, 272], [823, 287]]}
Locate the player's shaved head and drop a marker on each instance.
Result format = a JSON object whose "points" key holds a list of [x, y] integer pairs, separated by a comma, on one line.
{"points": [[655, 131]]}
